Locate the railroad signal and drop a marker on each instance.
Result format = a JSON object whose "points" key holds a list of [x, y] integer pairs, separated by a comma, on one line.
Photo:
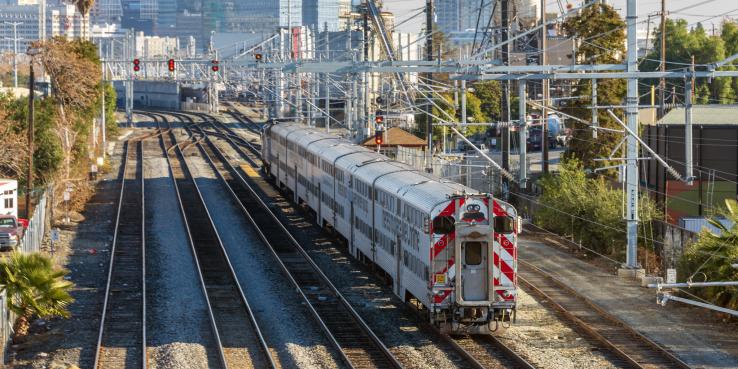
{"points": [[379, 119], [379, 137], [136, 65], [214, 66], [257, 57], [171, 65]]}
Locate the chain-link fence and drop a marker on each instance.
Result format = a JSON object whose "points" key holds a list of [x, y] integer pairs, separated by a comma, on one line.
{"points": [[34, 234], [31, 242]]}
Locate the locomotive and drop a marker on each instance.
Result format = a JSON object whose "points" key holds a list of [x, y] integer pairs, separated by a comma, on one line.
{"points": [[444, 245]]}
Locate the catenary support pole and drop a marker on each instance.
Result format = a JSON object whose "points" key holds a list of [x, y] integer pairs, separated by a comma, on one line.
{"points": [[546, 91], [688, 162], [522, 134], [505, 33], [631, 172], [429, 56], [662, 66], [595, 116], [327, 82]]}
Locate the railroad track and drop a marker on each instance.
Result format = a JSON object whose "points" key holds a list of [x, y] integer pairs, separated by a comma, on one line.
{"points": [[347, 331], [121, 339], [633, 348], [479, 352], [237, 333]]}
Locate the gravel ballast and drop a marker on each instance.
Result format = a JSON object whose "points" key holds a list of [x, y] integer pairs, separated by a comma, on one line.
{"points": [[295, 338], [179, 330]]}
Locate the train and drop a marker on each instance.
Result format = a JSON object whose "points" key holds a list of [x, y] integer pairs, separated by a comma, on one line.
{"points": [[446, 248]]}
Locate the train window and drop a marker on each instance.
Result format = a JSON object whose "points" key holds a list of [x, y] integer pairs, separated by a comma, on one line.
{"points": [[444, 224], [504, 224], [472, 253]]}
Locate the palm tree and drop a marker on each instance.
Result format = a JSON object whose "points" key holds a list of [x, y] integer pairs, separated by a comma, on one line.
{"points": [[34, 288], [84, 7], [712, 256]]}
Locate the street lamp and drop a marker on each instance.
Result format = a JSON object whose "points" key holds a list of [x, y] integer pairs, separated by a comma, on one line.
{"points": [[15, 50]]}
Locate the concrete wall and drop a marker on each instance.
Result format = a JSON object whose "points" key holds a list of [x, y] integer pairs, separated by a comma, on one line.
{"points": [[149, 94]]}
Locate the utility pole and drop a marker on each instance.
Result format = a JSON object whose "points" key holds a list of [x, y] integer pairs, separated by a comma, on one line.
{"points": [[631, 172], [505, 9], [662, 67], [29, 180], [15, 51], [544, 83], [429, 56]]}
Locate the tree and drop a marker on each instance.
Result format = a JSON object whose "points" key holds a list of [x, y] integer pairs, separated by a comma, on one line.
{"points": [[13, 143], [684, 43], [490, 97], [84, 6], [75, 77], [601, 32], [34, 288]]}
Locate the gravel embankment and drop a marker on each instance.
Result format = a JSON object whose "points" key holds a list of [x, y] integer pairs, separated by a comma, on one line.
{"points": [[289, 330], [178, 326]]}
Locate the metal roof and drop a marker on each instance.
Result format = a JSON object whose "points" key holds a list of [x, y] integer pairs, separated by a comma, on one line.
{"points": [[704, 115]]}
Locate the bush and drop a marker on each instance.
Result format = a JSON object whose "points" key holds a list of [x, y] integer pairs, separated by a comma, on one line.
{"points": [[710, 259], [587, 209]]}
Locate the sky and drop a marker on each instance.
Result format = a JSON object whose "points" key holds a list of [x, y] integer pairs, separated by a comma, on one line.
{"points": [[707, 12]]}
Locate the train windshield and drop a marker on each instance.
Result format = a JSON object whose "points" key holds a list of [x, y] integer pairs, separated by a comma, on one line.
{"points": [[504, 224], [444, 224]]}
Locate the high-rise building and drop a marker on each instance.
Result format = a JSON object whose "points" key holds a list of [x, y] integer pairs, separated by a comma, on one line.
{"points": [[166, 17], [319, 13], [267, 15], [106, 11], [457, 18], [60, 20]]}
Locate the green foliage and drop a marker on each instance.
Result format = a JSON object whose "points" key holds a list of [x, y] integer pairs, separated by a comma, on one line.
{"points": [[111, 126], [600, 28], [601, 31], [711, 257], [47, 153], [682, 43], [490, 98], [587, 209], [34, 287]]}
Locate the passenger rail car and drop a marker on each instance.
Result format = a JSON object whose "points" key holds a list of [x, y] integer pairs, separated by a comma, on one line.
{"points": [[446, 245]]}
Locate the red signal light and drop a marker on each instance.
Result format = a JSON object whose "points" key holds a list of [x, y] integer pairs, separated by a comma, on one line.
{"points": [[257, 57], [136, 65], [379, 119], [378, 137], [215, 67], [171, 65]]}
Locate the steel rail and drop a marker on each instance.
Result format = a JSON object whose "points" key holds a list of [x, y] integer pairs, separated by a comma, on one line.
{"points": [[300, 268], [227, 303], [637, 350], [482, 358], [122, 266]]}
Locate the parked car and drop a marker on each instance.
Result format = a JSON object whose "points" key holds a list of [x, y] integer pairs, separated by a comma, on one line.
{"points": [[535, 139], [11, 232]]}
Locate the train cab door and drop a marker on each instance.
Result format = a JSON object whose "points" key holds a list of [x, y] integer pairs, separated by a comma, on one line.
{"points": [[474, 270]]}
